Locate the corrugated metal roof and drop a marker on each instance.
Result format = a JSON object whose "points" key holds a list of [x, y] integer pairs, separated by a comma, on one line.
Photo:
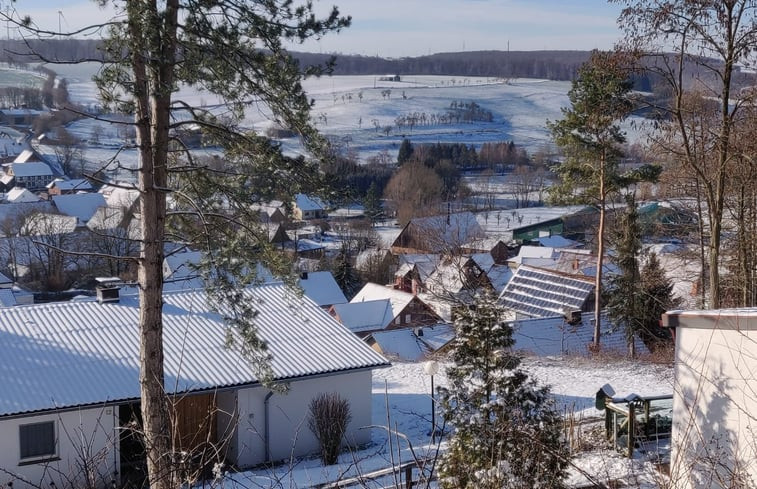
{"points": [[77, 353]]}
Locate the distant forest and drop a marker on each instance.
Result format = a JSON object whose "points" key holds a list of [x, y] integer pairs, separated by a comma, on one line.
{"points": [[553, 65]]}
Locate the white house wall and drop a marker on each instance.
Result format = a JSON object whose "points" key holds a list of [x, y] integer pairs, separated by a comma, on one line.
{"points": [[715, 405], [75, 431], [288, 413]]}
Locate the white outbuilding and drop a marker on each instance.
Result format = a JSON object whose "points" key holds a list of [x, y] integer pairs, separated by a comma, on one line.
{"points": [[714, 398], [69, 388]]}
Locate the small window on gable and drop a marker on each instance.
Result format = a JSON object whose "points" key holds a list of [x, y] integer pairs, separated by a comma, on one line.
{"points": [[37, 440]]}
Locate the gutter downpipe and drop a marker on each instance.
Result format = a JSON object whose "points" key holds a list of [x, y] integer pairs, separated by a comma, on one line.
{"points": [[267, 421]]}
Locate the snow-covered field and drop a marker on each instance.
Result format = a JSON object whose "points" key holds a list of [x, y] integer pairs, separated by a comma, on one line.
{"points": [[402, 400], [360, 112]]}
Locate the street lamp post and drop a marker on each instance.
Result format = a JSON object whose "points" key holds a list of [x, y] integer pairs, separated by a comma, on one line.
{"points": [[431, 368]]}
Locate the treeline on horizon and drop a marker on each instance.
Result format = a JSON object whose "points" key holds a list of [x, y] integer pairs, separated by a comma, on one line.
{"points": [[553, 65]]}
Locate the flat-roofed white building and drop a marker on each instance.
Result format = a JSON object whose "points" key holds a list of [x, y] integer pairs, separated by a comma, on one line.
{"points": [[715, 398]]}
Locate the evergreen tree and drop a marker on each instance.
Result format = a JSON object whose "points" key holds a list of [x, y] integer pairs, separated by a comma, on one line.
{"points": [[624, 303], [345, 274], [507, 433], [656, 298], [405, 152], [372, 204], [590, 136]]}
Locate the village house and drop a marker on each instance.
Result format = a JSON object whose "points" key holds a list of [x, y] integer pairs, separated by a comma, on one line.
{"points": [[412, 344], [61, 186], [82, 206], [18, 117], [306, 208], [70, 384], [402, 310], [321, 288], [447, 233], [33, 176], [18, 195], [538, 293]]}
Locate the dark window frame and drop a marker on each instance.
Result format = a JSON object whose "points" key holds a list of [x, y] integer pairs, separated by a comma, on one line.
{"points": [[38, 441]]}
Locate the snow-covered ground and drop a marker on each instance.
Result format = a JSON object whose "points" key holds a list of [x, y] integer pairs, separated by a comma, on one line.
{"points": [[358, 111], [402, 400]]}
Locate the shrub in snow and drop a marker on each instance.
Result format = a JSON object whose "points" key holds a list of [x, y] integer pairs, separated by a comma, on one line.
{"points": [[329, 416], [506, 431]]}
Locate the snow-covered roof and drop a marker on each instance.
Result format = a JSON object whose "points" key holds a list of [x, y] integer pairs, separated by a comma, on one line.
{"points": [[181, 265], [20, 194], [74, 184], [397, 298], [119, 196], [553, 336], [528, 251], [369, 315], [81, 206], [536, 292], [412, 344], [7, 298], [440, 233], [31, 169], [499, 276], [306, 203], [26, 156], [503, 222], [557, 241], [322, 289], [484, 260], [59, 355], [424, 264], [18, 211], [180, 271]]}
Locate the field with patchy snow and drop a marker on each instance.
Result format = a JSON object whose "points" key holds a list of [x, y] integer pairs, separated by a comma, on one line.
{"points": [[402, 400]]}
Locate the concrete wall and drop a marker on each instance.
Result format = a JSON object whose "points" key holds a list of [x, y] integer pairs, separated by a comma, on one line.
{"points": [[715, 401], [289, 434], [84, 434]]}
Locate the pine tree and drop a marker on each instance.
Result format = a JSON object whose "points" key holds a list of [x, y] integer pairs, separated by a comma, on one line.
{"points": [[507, 433], [345, 274], [656, 298], [237, 51], [405, 152], [590, 136], [624, 303], [372, 204]]}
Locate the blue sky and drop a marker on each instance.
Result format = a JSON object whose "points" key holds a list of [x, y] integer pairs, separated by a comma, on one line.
{"points": [[396, 28]]}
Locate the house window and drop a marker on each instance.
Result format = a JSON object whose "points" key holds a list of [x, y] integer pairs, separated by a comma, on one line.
{"points": [[37, 440], [408, 318]]}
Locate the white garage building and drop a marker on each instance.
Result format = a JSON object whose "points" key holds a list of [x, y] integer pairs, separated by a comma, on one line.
{"points": [[69, 387]]}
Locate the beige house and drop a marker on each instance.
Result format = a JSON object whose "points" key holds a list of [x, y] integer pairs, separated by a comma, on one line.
{"points": [[715, 398]]}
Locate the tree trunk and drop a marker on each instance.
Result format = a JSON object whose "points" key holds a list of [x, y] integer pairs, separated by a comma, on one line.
{"points": [[153, 66], [600, 255]]}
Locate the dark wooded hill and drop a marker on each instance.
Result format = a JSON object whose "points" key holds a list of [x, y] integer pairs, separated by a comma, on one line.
{"points": [[554, 65]]}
